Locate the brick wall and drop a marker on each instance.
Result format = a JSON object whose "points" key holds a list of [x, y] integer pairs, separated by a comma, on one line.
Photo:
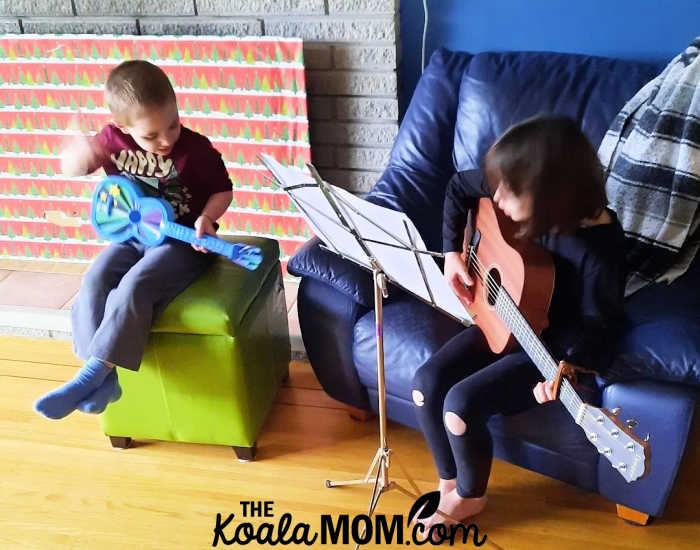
{"points": [[350, 55]]}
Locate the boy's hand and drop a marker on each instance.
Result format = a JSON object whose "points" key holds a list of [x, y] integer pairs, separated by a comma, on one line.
{"points": [[458, 277], [203, 225], [544, 391], [80, 156]]}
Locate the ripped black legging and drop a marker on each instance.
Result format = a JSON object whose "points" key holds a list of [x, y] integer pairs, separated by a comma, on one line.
{"points": [[464, 377]]}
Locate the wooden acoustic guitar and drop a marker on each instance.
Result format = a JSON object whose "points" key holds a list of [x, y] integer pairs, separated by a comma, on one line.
{"points": [[514, 281]]}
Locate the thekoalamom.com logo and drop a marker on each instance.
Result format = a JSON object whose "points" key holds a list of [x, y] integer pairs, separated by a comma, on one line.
{"points": [[344, 529]]}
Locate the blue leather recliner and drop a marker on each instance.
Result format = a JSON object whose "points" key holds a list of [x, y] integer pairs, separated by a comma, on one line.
{"points": [[461, 104]]}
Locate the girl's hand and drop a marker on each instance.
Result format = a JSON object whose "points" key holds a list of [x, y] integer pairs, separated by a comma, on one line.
{"points": [[458, 277], [202, 225], [544, 391]]}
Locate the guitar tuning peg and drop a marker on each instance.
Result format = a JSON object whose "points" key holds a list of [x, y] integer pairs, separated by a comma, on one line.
{"points": [[616, 411], [647, 437], [631, 423]]}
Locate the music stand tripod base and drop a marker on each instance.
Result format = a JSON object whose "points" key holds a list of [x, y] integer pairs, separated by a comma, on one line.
{"points": [[381, 460]]}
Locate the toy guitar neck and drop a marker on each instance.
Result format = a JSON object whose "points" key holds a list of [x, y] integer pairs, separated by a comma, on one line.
{"points": [[242, 254], [121, 212]]}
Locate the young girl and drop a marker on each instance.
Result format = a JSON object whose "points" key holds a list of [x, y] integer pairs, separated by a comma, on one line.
{"points": [[544, 174]]}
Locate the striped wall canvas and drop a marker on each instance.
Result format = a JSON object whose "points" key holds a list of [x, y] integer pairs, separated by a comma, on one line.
{"points": [[246, 95]]}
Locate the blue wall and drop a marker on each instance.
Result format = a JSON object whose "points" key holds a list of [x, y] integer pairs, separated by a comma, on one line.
{"points": [[645, 30]]}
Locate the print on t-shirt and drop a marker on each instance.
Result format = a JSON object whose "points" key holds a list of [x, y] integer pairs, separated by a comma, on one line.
{"points": [[156, 175]]}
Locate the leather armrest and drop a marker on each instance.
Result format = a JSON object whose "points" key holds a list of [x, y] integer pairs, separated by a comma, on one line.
{"points": [[345, 276], [664, 411]]}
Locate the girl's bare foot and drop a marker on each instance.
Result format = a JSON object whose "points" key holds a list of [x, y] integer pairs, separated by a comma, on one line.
{"points": [[457, 508], [444, 486]]}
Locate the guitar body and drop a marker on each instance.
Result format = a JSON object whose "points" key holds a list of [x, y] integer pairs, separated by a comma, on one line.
{"points": [[524, 269]]}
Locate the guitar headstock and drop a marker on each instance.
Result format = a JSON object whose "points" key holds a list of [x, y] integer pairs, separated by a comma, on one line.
{"points": [[625, 451]]}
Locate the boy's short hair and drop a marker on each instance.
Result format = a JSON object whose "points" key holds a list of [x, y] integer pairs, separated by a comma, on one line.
{"points": [[136, 84]]}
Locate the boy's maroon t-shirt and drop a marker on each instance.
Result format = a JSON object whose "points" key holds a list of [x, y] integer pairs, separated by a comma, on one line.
{"points": [[186, 177]]}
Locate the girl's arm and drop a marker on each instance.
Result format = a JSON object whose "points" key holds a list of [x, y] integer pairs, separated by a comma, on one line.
{"points": [[463, 190], [602, 315]]}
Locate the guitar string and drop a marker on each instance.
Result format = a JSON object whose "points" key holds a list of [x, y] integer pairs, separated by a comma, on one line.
{"points": [[495, 288], [518, 319]]}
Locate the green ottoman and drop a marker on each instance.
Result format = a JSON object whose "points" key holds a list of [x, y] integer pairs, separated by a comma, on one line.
{"points": [[214, 361]]}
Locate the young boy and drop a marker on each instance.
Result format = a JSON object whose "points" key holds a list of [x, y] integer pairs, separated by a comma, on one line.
{"points": [[128, 285]]}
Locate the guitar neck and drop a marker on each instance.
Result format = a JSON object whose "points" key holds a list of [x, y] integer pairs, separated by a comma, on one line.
{"points": [[626, 453], [536, 350]]}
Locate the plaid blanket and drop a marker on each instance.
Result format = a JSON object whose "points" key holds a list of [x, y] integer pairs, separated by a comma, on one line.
{"points": [[651, 156]]}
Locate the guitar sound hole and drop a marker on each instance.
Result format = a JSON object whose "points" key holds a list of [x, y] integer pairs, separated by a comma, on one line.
{"points": [[493, 287]]}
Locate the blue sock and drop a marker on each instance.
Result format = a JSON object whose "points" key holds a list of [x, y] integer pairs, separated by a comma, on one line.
{"points": [[63, 401], [107, 393]]}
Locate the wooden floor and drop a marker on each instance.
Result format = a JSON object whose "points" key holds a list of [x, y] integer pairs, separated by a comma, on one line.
{"points": [[63, 487]]}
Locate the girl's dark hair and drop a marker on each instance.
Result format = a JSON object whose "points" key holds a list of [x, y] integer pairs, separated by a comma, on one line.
{"points": [[551, 159]]}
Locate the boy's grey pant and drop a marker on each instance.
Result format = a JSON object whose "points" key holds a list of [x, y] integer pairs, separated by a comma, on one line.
{"points": [[125, 289]]}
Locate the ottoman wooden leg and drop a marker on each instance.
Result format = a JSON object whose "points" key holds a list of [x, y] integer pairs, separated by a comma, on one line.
{"points": [[245, 454], [359, 414], [120, 442]]}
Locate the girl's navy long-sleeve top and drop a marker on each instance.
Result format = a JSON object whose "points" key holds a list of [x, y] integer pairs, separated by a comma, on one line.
{"points": [[586, 312]]}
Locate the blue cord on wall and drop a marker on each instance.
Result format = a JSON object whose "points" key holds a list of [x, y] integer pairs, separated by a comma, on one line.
{"points": [[425, 33]]}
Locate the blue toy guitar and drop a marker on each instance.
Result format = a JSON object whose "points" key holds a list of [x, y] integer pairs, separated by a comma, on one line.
{"points": [[120, 211]]}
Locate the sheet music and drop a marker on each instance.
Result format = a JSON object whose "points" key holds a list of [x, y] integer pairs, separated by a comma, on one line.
{"points": [[386, 233]]}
